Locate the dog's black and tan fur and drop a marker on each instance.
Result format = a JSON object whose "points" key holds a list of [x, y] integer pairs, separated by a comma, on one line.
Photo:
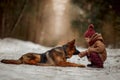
{"points": [[54, 57]]}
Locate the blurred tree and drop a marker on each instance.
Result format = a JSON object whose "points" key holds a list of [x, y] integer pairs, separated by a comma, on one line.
{"points": [[42, 21], [104, 14], [10, 15]]}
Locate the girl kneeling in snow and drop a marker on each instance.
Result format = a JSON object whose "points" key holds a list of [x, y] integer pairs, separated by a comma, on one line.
{"points": [[96, 52]]}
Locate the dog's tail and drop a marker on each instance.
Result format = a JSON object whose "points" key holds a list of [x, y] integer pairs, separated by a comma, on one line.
{"points": [[6, 61]]}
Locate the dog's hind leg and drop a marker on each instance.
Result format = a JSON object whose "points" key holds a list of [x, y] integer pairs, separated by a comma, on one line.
{"points": [[49, 62]]}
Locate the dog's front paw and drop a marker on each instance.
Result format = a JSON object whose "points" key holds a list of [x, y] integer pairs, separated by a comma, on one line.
{"points": [[81, 65]]}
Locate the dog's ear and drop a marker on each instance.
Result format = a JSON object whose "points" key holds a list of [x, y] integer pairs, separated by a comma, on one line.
{"points": [[71, 43]]}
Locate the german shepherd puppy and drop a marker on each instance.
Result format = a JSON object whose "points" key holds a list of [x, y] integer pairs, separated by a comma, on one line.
{"points": [[54, 57]]}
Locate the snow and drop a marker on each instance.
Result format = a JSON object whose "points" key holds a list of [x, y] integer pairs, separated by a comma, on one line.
{"points": [[13, 48]]}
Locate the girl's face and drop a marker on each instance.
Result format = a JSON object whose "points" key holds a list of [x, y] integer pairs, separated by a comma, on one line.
{"points": [[87, 40]]}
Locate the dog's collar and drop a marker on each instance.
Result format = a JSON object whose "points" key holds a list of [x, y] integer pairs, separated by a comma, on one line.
{"points": [[64, 49]]}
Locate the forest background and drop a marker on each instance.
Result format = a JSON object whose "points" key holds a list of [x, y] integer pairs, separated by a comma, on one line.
{"points": [[54, 22]]}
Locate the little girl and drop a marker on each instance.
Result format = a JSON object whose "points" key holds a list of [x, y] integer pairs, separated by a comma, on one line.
{"points": [[96, 52]]}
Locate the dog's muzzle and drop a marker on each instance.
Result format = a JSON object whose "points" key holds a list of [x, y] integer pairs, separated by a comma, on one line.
{"points": [[76, 52]]}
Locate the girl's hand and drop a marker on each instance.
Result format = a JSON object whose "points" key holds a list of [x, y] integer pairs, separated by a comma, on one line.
{"points": [[90, 49]]}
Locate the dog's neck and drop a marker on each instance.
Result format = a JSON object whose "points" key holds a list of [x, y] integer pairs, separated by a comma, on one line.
{"points": [[64, 49]]}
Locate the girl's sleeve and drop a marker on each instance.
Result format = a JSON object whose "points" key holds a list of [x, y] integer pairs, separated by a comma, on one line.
{"points": [[99, 47]]}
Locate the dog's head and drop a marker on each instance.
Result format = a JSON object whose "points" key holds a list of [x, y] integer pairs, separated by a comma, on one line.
{"points": [[70, 49]]}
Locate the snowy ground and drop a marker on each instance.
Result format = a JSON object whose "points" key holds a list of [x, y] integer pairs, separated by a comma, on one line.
{"points": [[13, 49]]}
